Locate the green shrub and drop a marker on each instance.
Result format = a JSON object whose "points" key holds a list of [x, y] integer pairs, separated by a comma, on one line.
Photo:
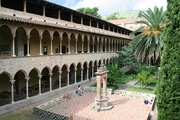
{"points": [[144, 78]]}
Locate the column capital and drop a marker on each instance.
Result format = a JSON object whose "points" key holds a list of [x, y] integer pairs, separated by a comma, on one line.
{"points": [[50, 74], [12, 81], [27, 79], [60, 72], [39, 76]]}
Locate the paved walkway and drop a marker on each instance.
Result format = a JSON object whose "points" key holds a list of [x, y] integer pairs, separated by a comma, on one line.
{"points": [[154, 113], [124, 108]]}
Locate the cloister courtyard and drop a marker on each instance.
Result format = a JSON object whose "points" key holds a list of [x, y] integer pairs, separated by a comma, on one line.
{"points": [[126, 107]]}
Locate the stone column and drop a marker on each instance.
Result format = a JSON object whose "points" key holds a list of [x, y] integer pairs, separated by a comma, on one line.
{"points": [[93, 45], [97, 45], [75, 70], [40, 45], [59, 14], [60, 72], [40, 76], [81, 20], [88, 45], [112, 46], [69, 47], [13, 45], [60, 45], [104, 87], [44, 10], [71, 17], [102, 45], [25, 6], [50, 81], [98, 78], [109, 46], [28, 37], [12, 90], [82, 74], [76, 46], [0, 3], [27, 86], [51, 53], [82, 46]]}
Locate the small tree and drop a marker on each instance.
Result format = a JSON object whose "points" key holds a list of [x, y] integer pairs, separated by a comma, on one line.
{"points": [[114, 75], [144, 78]]}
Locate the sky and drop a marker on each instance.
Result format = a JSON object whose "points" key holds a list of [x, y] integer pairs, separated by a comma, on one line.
{"points": [[108, 7]]}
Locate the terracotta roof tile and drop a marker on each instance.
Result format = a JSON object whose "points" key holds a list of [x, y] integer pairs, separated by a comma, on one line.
{"points": [[64, 26]]}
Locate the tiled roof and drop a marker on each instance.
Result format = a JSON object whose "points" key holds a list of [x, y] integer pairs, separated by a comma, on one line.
{"points": [[63, 26]]}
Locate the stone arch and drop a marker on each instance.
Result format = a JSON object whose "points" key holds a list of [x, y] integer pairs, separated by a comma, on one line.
{"points": [[55, 77], [73, 43], [20, 85], [85, 44], [20, 42], [6, 41], [8, 74], [95, 66], [85, 67], [46, 42], [79, 43], [90, 75], [5, 88], [56, 42], [78, 72], [34, 80], [45, 78], [64, 43], [91, 44], [99, 63], [64, 75], [95, 43], [72, 69], [34, 42], [37, 70]]}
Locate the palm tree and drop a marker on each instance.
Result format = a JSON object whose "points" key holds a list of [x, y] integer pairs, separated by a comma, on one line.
{"points": [[148, 43]]}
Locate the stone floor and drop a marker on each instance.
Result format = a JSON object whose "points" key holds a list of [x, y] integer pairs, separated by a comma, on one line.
{"points": [[124, 109], [80, 108]]}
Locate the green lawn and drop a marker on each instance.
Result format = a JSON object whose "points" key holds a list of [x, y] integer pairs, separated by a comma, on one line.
{"points": [[141, 89]]}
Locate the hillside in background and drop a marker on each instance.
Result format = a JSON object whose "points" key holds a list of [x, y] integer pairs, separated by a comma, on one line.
{"points": [[123, 14]]}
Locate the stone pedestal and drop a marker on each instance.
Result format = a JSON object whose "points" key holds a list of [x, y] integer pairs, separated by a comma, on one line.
{"points": [[101, 100]]}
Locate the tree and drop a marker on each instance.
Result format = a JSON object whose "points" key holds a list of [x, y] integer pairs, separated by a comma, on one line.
{"points": [[90, 11], [114, 75], [168, 91], [148, 43], [114, 16], [125, 56]]}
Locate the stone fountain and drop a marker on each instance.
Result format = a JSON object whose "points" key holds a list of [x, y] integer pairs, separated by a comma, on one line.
{"points": [[101, 99]]}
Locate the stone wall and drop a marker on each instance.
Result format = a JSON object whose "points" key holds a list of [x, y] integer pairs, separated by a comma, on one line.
{"points": [[13, 65]]}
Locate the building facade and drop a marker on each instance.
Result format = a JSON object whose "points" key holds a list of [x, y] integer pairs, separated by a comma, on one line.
{"points": [[46, 47]]}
